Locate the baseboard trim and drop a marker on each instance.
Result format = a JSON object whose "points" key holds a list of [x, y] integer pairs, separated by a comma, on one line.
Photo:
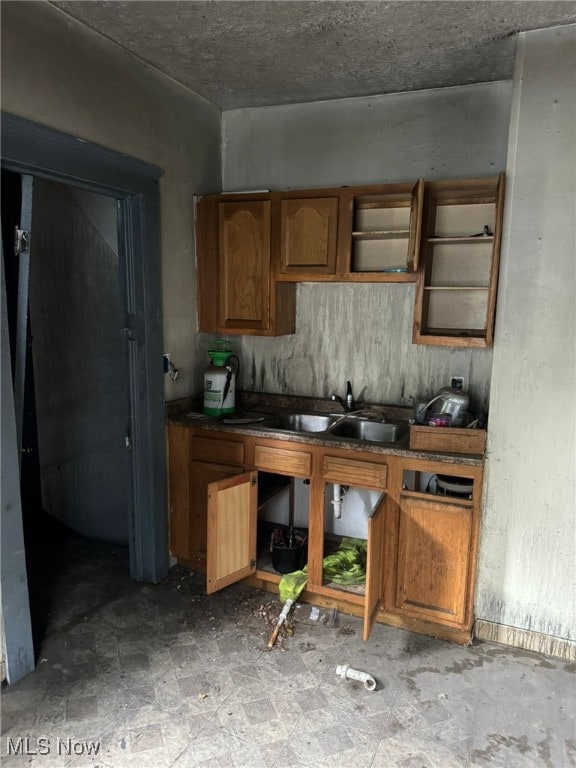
{"points": [[526, 639]]}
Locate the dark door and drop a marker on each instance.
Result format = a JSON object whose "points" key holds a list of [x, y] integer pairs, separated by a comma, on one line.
{"points": [[17, 203]]}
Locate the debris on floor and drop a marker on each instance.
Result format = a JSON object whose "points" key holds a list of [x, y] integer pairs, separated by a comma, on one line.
{"points": [[255, 612]]}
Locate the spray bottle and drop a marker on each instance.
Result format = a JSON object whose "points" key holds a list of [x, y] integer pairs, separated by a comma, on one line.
{"points": [[220, 379]]}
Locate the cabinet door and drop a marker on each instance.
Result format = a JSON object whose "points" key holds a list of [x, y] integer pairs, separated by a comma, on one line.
{"points": [[244, 256], [202, 474], [308, 235], [232, 509], [434, 542], [374, 567], [414, 243]]}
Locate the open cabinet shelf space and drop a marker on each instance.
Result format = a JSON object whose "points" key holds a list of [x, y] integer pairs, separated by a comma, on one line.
{"points": [[385, 232], [458, 275]]}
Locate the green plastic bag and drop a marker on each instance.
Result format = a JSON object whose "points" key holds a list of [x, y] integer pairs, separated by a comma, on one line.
{"points": [[292, 584], [345, 566]]}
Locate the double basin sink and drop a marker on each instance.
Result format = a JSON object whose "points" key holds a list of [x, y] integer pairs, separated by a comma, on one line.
{"points": [[357, 427]]}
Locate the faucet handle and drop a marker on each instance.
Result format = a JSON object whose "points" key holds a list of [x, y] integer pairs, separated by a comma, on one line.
{"points": [[349, 396]]}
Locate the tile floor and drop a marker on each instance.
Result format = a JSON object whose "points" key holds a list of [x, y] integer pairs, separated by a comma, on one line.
{"points": [[165, 677]]}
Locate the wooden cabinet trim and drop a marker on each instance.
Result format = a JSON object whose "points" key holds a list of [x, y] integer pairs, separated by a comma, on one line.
{"points": [[179, 490]]}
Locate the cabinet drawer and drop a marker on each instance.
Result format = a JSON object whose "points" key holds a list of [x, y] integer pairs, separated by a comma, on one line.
{"points": [[366, 474], [285, 461], [220, 451]]}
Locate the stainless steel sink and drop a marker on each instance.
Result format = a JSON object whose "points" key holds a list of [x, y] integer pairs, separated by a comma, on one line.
{"points": [[373, 431], [305, 422]]}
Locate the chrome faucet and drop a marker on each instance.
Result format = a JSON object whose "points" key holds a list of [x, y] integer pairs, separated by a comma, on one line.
{"points": [[347, 404]]}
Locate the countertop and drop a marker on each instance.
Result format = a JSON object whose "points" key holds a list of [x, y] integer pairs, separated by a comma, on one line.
{"points": [[188, 412]]}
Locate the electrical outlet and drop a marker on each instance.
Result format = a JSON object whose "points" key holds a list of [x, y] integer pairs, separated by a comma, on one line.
{"points": [[166, 359], [457, 382]]}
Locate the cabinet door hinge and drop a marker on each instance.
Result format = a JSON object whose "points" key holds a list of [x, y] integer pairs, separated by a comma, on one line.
{"points": [[21, 241], [254, 481], [252, 563]]}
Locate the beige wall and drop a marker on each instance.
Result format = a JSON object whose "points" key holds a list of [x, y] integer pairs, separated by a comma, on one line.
{"points": [[527, 577], [58, 73]]}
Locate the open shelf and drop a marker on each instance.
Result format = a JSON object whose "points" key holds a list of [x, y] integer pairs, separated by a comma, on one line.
{"points": [[381, 234], [422, 485], [386, 229], [469, 240], [455, 288], [457, 280]]}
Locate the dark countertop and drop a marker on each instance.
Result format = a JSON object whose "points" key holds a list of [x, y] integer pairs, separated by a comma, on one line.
{"points": [[188, 412]]}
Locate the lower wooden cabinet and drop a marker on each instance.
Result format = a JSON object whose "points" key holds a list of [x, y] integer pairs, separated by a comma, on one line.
{"points": [[434, 540], [421, 548], [232, 508], [189, 479]]}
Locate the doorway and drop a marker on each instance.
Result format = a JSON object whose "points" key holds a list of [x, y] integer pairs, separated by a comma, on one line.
{"points": [[43, 153], [75, 473]]}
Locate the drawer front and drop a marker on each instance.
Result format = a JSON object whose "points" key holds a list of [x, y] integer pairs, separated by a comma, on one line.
{"points": [[286, 462], [365, 474], [447, 439], [218, 451]]}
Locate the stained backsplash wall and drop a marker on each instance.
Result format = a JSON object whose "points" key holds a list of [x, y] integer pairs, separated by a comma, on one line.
{"points": [[361, 333]]}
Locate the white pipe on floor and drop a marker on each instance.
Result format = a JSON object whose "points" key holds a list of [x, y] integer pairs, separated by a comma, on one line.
{"points": [[344, 671]]}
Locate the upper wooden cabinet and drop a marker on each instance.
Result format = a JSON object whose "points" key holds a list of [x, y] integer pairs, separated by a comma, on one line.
{"points": [[253, 248], [244, 257], [456, 287], [308, 235], [350, 234], [237, 292], [382, 227]]}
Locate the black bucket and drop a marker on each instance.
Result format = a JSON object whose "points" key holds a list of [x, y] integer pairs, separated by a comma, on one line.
{"points": [[288, 552]]}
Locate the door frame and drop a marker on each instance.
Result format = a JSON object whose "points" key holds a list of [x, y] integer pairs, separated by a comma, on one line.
{"points": [[30, 148]]}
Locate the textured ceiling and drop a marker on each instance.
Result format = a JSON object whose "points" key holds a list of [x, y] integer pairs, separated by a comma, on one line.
{"points": [[243, 53]]}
